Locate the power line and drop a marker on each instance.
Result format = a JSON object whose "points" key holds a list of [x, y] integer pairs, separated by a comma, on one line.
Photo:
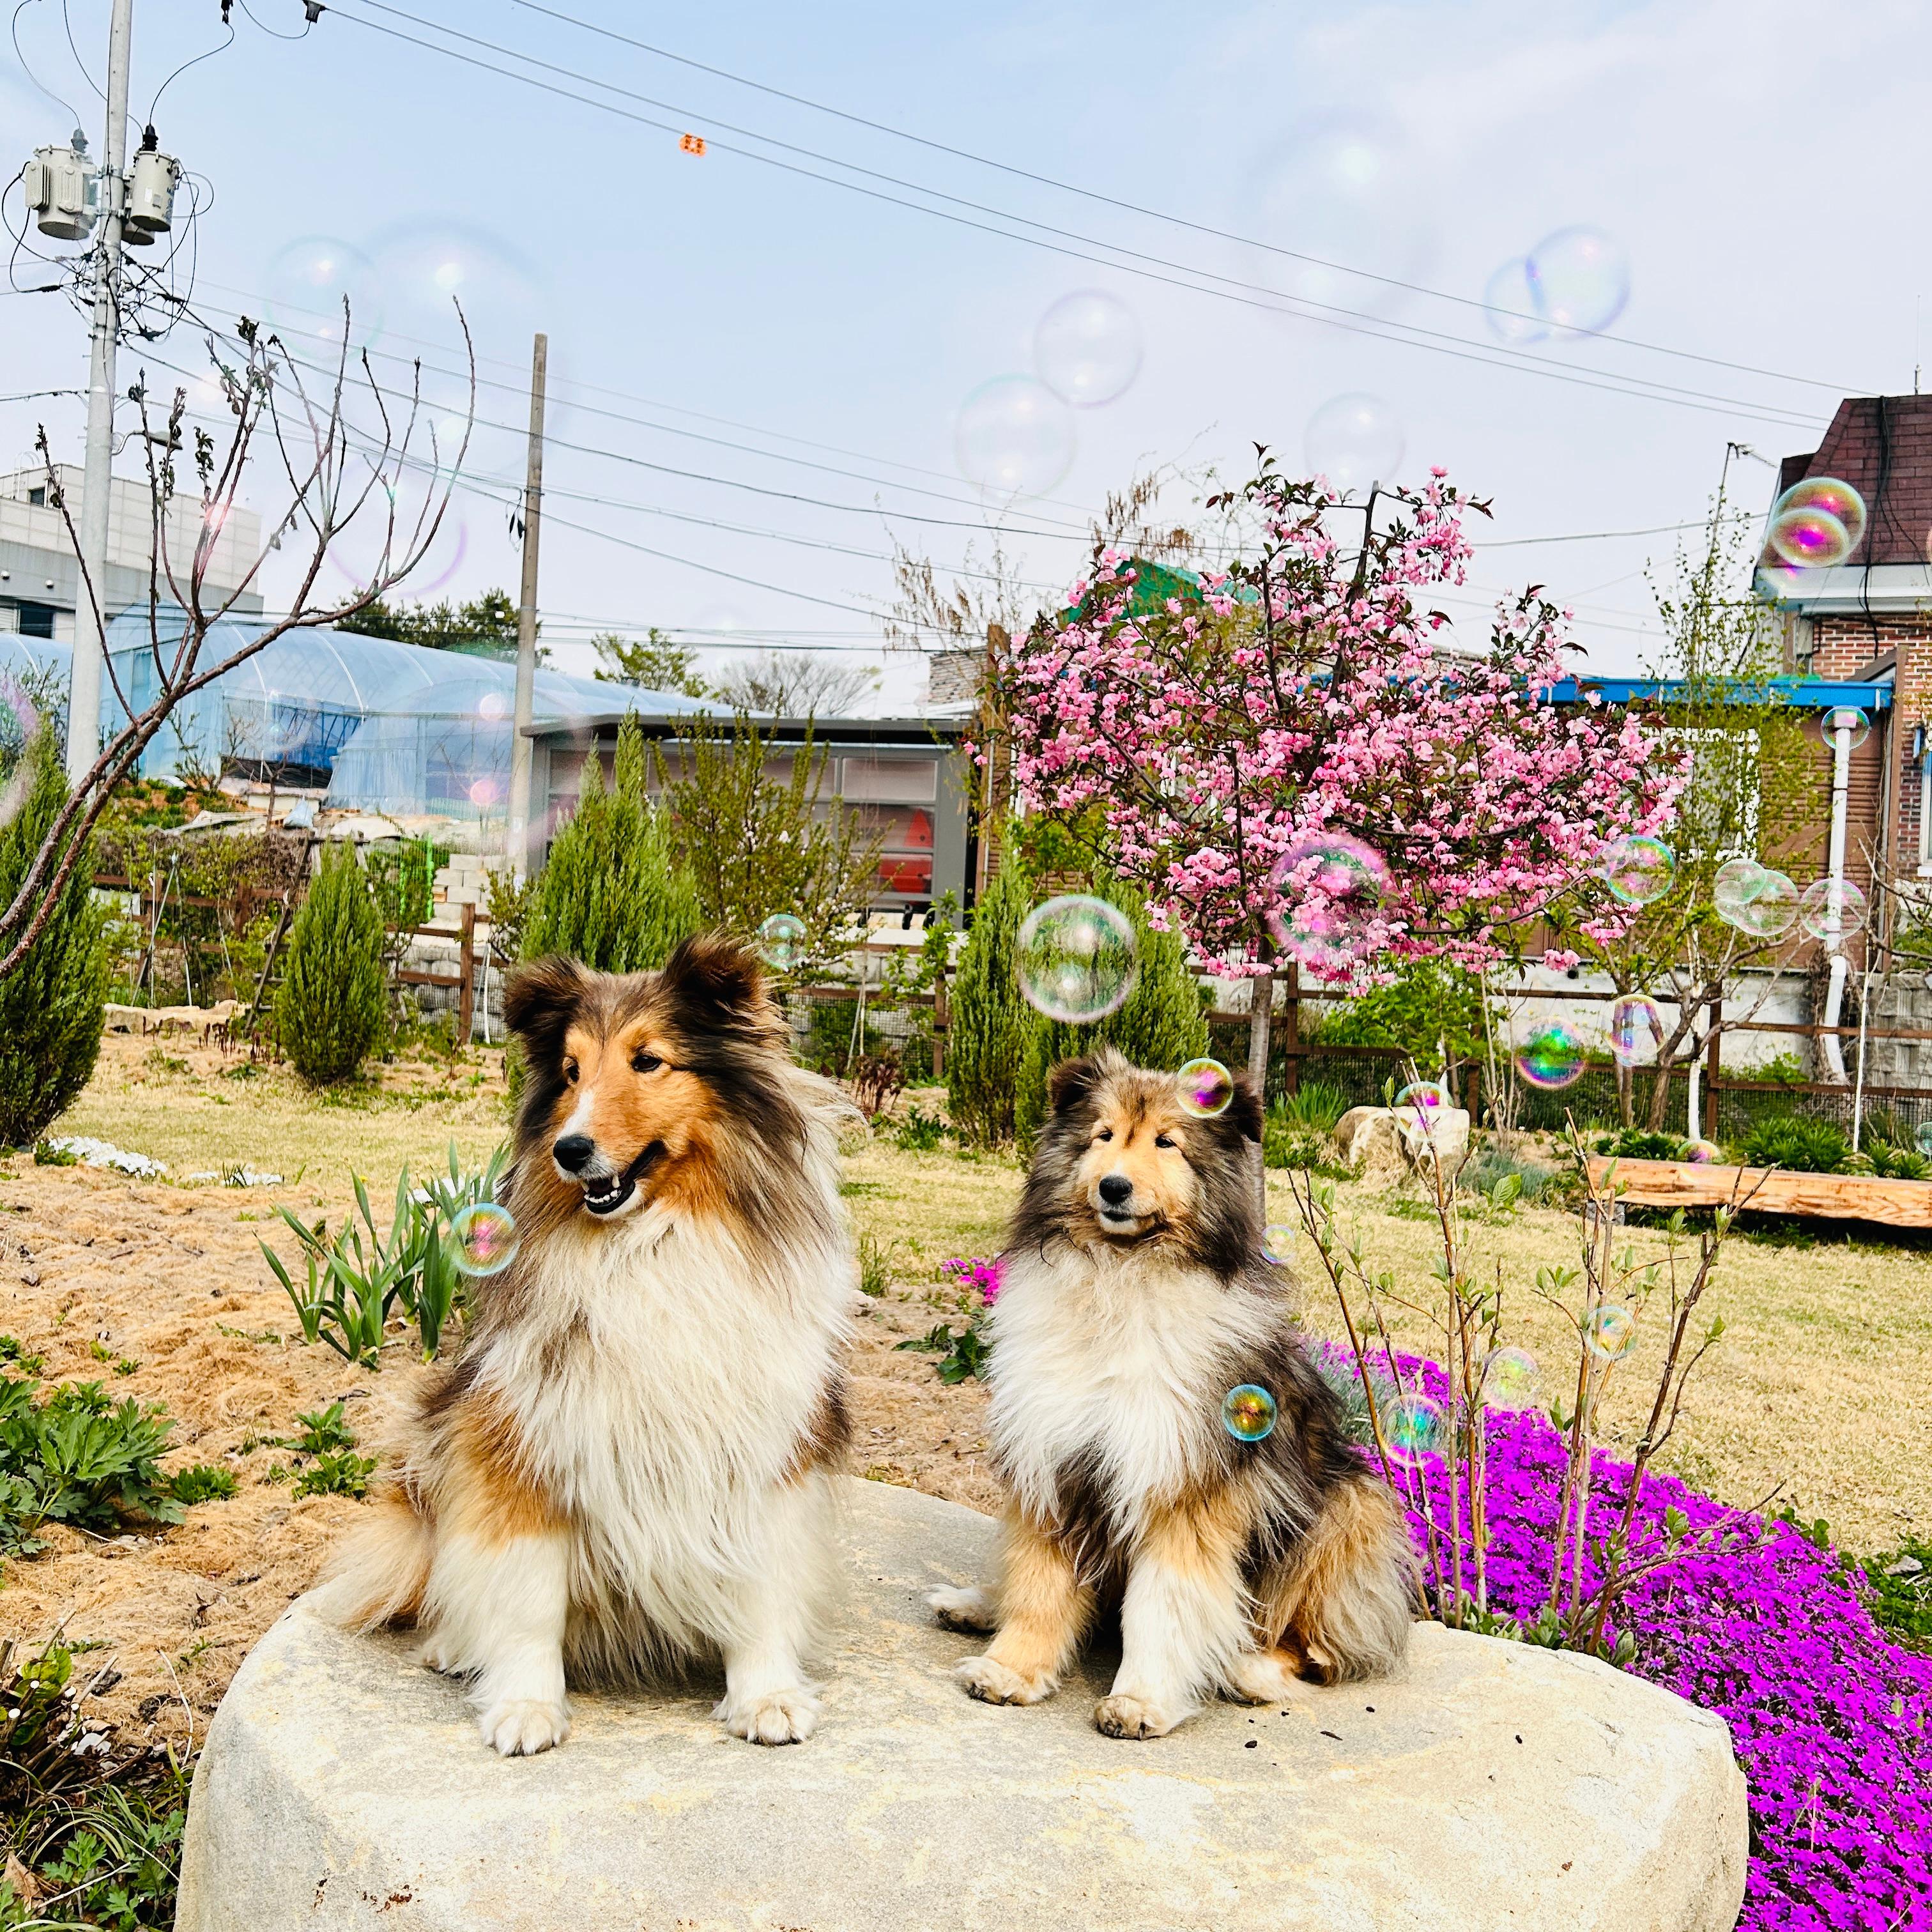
{"points": [[1412, 335]]}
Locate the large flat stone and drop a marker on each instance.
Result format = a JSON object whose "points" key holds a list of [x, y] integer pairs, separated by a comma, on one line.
{"points": [[1495, 1786]]}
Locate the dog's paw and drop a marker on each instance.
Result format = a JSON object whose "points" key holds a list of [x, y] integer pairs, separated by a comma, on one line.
{"points": [[778, 1717], [990, 1681], [971, 1609], [433, 1654], [1129, 1717], [522, 1726], [1264, 1677]]}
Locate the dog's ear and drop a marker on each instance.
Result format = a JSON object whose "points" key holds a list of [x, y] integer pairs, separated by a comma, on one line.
{"points": [[1071, 1082], [1244, 1110], [540, 1000], [717, 982]]}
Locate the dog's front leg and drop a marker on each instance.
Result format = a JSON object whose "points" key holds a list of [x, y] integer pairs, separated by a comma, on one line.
{"points": [[1043, 1611], [495, 1608], [1182, 1622], [768, 1699]]}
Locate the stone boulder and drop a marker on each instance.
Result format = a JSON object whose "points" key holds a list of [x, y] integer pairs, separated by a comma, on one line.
{"points": [[1495, 1785], [1386, 1144]]}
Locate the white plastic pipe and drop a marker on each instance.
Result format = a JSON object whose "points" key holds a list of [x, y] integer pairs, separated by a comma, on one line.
{"points": [[1840, 724]]}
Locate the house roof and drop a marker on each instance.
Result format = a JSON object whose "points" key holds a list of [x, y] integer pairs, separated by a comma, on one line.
{"points": [[1804, 694], [1882, 446]]}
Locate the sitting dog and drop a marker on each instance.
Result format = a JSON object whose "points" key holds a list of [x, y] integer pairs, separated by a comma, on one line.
{"points": [[1133, 1298], [627, 1466]]}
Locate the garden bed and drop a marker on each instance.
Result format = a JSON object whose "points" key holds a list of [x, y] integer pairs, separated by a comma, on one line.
{"points": [[1843, 1197]]}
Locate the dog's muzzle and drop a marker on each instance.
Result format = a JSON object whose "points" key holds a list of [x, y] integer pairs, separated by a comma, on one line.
{"points": [[606, 1188], [1116, 1206]]}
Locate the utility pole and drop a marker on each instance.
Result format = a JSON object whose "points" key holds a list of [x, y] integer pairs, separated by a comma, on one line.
{"points": [[520, 749], [90, 624]]}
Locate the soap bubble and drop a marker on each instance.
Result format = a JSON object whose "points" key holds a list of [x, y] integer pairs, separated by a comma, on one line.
{"points": [[1847, 721], [1555, 1058], [483, 792], [1610, 1333], [1510, 302], [400, 517], [1636, 1029], [493, 704], [486, 1237], [1425, 1097], [1076, 959], [1014, 437], [307, 282], [1207, 1087], [430, 269], [781, 940], [1413, 1428], [1353, 440], [1704, 1153], [1817, 522], [1770, 912], [1332, 884], [1831, 909], [1278, 1241], [1924, 1137], [1509, 1377], [1579, 277], [1087, 348], [1738, 882], [1248, 1413], [1638, 869]]}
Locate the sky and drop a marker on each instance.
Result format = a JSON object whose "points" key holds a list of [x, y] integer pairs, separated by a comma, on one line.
{"points": [[769, 337]]}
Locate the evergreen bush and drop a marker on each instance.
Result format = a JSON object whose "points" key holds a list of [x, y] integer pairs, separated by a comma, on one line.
{"points": [[331, 1007], [50, 1004], [1160, 1025], [990, 1029]]}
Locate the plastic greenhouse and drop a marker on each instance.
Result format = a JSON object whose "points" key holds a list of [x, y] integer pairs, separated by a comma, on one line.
{"points": [[384, 727]]}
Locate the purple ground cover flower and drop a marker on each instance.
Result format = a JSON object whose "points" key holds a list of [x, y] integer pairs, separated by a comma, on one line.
{"points": [[970, 1271], [1829, 1719]]}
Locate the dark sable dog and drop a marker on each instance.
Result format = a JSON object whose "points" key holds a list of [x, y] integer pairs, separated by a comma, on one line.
{"points": [[628, 1465], [1133, 1297]]}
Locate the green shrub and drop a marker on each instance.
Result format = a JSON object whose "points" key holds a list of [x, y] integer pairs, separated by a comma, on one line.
{"points": [[1429, 1004], [78, 1457], [1638, 1143], [336, 1472], [1159, 1024], [322, 1430], [201, 1483], [50, 1004], [991, 1025], [1892, 1162], [330, 1008], [1289, 1141], [1792, 1141], [919, 1133], [1314, 1104], [1900, 1583]]}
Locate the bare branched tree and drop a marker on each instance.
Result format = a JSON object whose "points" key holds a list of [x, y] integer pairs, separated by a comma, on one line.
{"points": [[794, 684], [336, 472]]}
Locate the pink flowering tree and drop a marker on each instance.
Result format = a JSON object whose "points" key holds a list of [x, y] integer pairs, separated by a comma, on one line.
{"points": [[1296, 760]]}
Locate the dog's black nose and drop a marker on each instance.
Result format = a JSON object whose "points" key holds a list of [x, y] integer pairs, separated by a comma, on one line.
{"points": [[1114, 1189], [573, 1152]]}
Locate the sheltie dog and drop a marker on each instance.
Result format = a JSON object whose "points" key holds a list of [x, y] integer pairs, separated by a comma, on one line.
{"points": [[626, 1468], [1133, 1298]]}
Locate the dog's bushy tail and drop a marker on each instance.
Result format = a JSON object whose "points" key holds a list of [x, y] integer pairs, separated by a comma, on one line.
{"points": [[1346, 1600], [379, 1575]]}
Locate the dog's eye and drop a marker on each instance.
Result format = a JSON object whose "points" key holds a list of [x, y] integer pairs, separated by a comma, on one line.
{"points": [[1105, 1134], [645, 1062], [1163, 1140], [570, 1072]]}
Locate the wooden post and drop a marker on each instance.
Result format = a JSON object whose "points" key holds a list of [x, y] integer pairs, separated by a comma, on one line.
{"points": [[939, 1018], [522, 752], [1472, 1093], [466, 1013], [1292, 1046], [1713, 1065]]}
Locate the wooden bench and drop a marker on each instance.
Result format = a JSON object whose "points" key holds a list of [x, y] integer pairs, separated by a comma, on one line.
{"points": [[1852, 1197]]}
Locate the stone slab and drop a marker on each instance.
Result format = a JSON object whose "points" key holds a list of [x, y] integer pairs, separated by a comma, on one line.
{"points": [[1495, 1786]]}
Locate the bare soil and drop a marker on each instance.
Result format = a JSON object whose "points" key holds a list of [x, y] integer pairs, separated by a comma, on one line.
{"points": [[1815, 1385]]}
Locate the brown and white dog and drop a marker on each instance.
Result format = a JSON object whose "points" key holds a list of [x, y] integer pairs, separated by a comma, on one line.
{"points": [[626, 1468], [1133, 1298]]}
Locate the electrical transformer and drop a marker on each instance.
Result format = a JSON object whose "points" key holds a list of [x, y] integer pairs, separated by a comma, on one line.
{"points": [[63, 193], [151, 193]]}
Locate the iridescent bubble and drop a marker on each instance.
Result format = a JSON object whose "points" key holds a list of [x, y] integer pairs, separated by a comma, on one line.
{"points": [[781, 940], [485, 1238], [1076, 959], [1810, 538], [1413, 1428], [1354, 441], [1738, 882], [483, 792], [1278, 1241], [1610, 1333], [1704, 1153], [1770, 912], [1636, 1029], [431, 269], [1330, 885], [1847, 724], [1555, 1058], [1425, 1097], [1087, 348], [1509, 302], [1638, 869], [1014, 437], [1206, 1087], [1831, 909], [493, 704], [1248, 1413], [403, 533], [1580, 278], [1924, 1137], [1829, 496], [1509, 1377], [307, 282]]}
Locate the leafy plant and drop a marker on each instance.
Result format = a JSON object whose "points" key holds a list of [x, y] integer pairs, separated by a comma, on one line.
{"points": [[1892, 1162], [1289, 1142], [336, 1472], [916, 1132], [1795, 1141], [1899, 1587], [11, 1350], [201, 1483], [78, 1457], [1314, 1104], [991, 1024], [331, 1009], [875, 1264], [322, 1430], [51, 1004], [1640, 1144], [964, 1353]]}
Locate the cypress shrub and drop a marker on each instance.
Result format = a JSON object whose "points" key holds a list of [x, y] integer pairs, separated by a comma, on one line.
{"points": [[50, 1004], [612, 892], [987, 1039], [332, 1005], [1160, 1024]]}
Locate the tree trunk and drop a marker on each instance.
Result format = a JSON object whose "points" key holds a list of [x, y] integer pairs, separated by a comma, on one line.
{"points": [[1260, 1016]]}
